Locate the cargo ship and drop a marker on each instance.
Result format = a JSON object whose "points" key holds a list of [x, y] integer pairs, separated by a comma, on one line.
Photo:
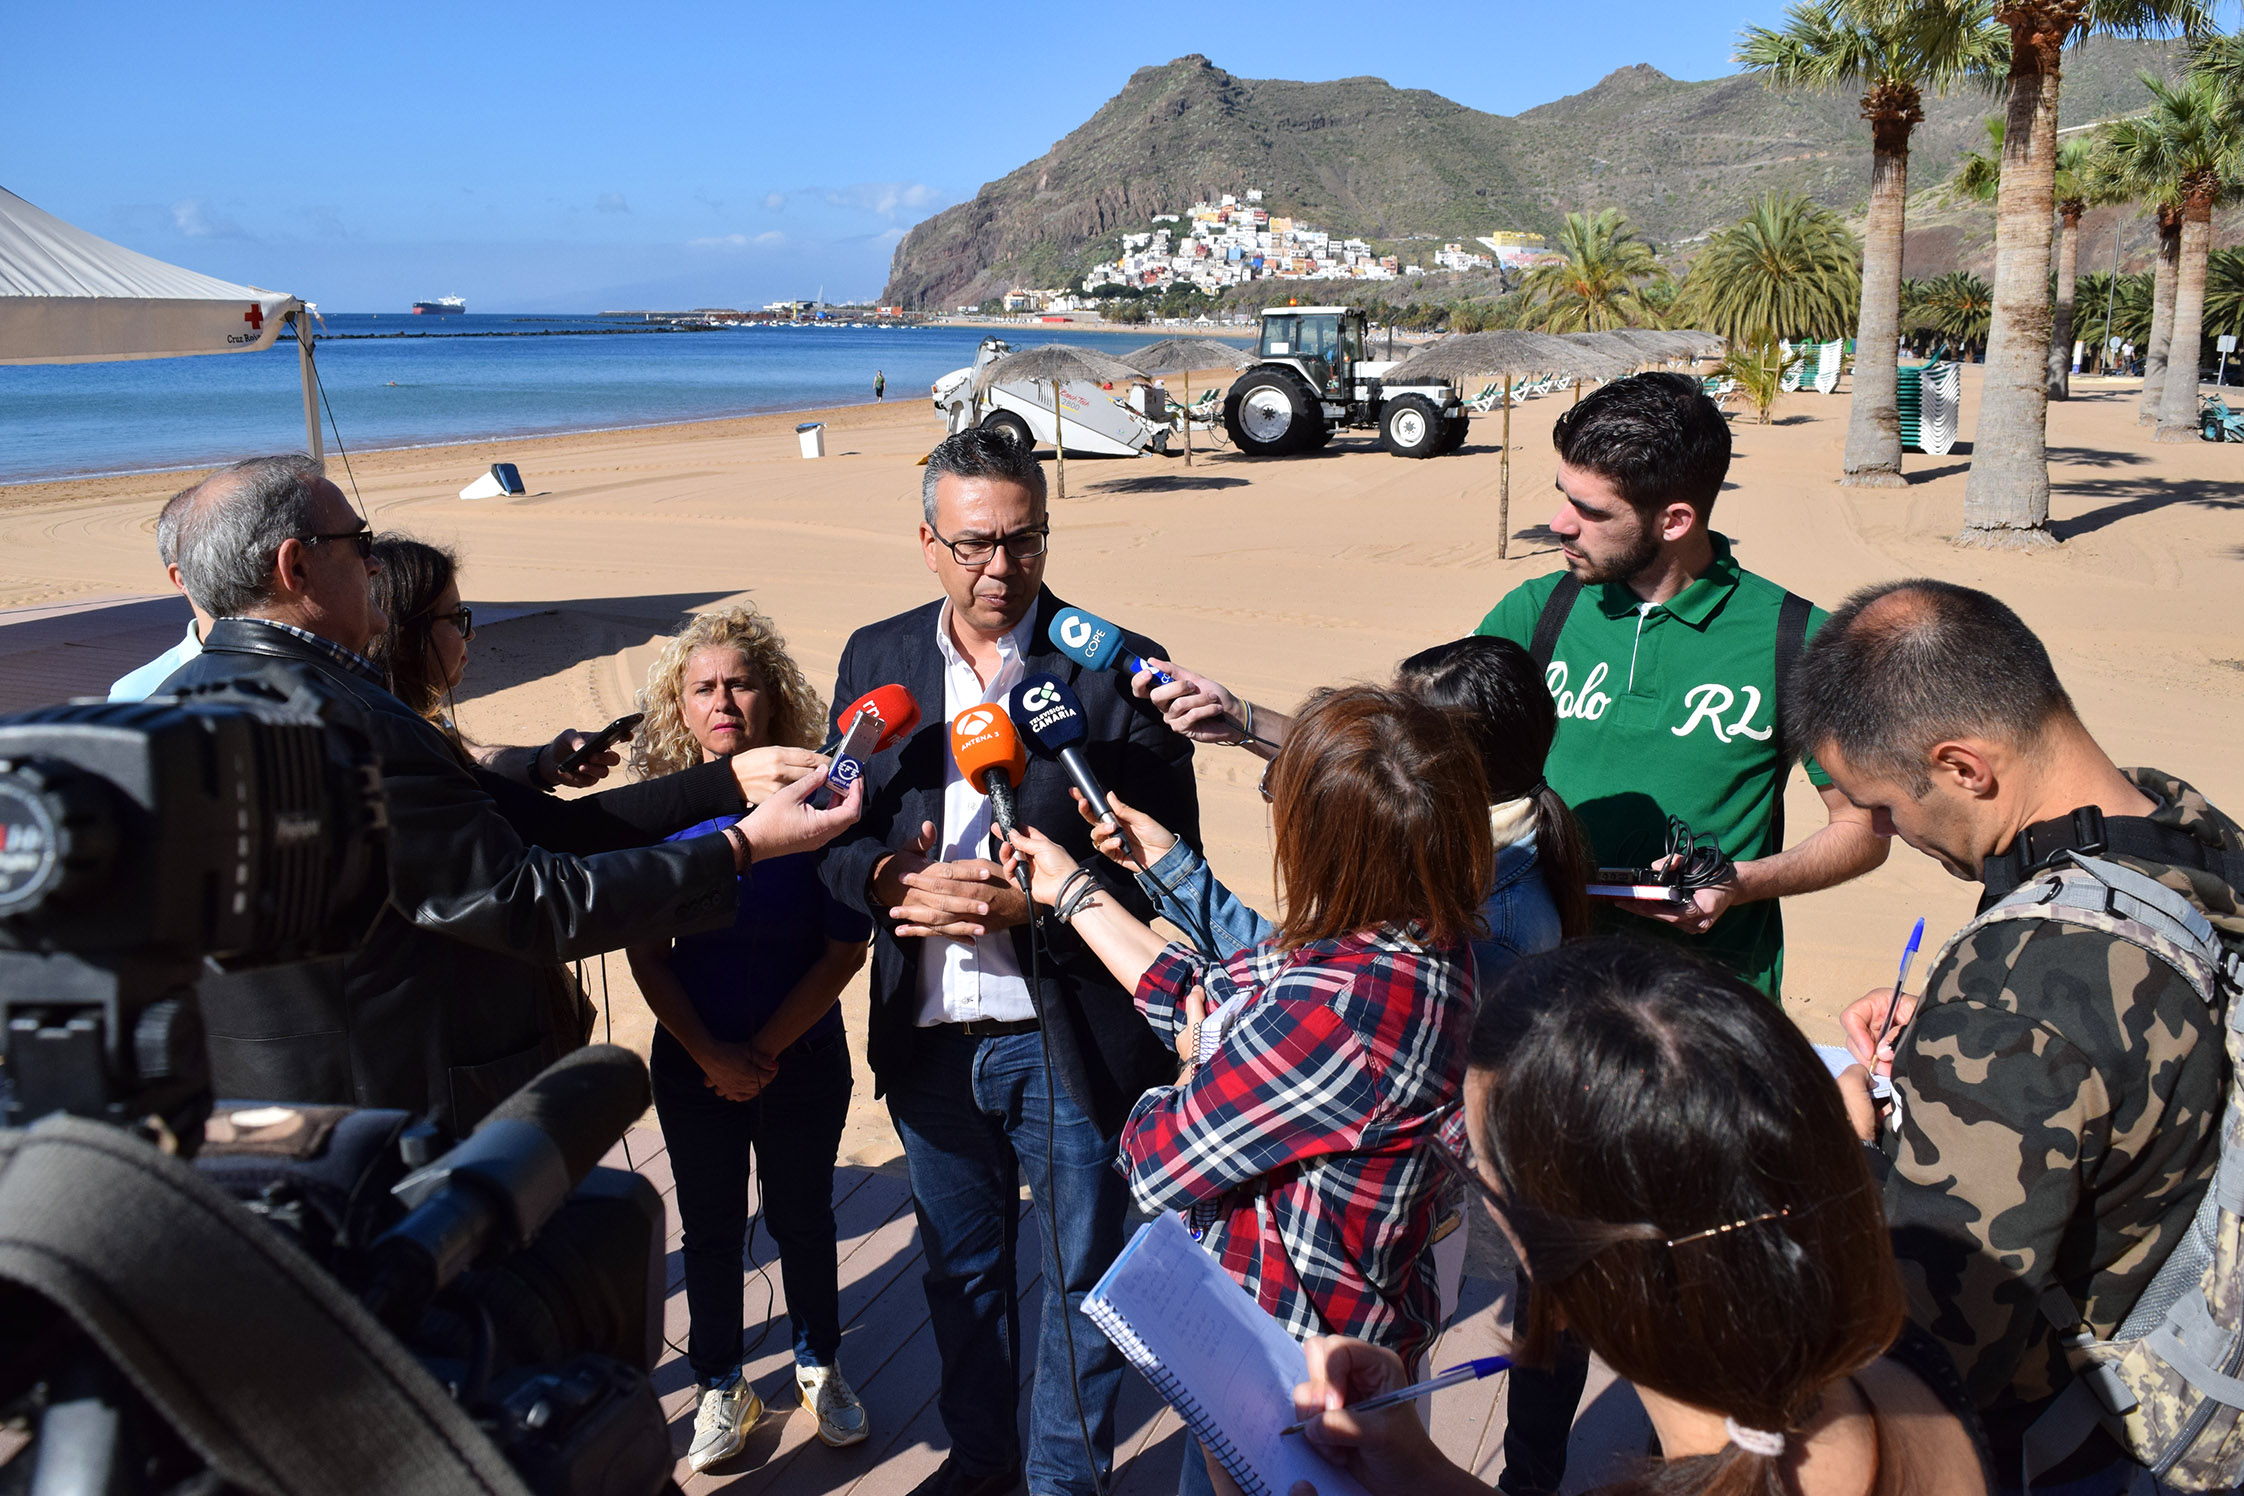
{"points": [[443, 306]]}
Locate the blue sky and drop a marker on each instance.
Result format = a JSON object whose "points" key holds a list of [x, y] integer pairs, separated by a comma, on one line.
{"points": [[574, 157]]}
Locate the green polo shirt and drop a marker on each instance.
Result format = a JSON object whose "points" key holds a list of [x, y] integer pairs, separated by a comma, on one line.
{"points": [[1669, 709]]}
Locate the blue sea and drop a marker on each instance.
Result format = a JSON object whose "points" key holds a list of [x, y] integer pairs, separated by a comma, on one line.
{"points": [[396, 380]]}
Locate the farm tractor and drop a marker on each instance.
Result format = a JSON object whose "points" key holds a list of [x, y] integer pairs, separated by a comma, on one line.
{"points": [[1311, 379]]}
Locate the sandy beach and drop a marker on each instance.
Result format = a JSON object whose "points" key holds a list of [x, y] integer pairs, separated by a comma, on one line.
{"points": [[1276, 576]]}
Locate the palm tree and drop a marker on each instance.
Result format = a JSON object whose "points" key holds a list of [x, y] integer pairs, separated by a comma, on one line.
{"points": [[2006, 497], [1978, 178], [1956, 307], [1977, 173], [2200, 128], [1787, 269], [1892, 50], [1599, 284], [2224, 293], [2129, 308]]}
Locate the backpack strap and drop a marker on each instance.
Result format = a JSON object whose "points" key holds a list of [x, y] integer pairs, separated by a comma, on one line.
{"points": [[1552, 620], [2090, 832], [1792, 637]]}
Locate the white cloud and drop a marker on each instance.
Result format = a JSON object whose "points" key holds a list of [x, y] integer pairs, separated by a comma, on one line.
{"points": [[739, 241], [195, 218], [774, 201], [887, 199], [611, 202]]}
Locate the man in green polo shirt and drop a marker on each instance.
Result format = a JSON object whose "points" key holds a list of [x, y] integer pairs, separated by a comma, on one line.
{"points": [[1666, 668], [1664, 664]]}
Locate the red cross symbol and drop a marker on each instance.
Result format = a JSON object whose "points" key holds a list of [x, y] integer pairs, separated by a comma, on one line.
{"points": [[255, 317]]}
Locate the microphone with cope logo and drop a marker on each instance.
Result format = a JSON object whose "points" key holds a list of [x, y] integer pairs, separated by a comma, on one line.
{"points": [[992, 757], [1050, 715], [1090, 640], [875, 721]]}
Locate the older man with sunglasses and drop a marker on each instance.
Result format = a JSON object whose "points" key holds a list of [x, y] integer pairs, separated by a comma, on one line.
{"points": [[993, 1081], [451, 1004]]}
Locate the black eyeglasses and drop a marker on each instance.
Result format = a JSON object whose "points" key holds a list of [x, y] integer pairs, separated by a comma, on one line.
{"points": [[1021, 545], [361, 539], [462, 620]]}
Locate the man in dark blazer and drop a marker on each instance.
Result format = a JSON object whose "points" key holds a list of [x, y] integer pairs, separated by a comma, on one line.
{"points": [[450, 1005], [959, 1036]]}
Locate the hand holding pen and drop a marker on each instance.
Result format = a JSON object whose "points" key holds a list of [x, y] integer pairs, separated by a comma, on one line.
{"points": [[1355, 1420]]}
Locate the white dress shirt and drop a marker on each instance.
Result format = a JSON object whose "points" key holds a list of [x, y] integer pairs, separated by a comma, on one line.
{"points": [[961, 981]]}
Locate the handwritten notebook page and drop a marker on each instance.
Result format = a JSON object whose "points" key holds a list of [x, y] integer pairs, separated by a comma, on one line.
{"points": [[1227, 1367]]}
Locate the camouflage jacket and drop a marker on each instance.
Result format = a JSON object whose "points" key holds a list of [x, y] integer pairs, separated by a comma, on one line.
{"points": [[2059, 1112]]}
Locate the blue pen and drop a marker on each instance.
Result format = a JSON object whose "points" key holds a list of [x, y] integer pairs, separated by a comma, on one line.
{"points": [[1470, 1371], [1908, 955]]}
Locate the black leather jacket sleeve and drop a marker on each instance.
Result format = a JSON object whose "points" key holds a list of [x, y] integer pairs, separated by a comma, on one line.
{"points": [[630, 815]]}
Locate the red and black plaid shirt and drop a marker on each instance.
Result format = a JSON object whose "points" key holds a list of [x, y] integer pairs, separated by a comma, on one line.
{"points": [[1295, 1142]]}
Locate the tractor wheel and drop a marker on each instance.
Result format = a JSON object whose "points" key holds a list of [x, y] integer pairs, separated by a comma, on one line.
{"points": [[1320, 437], [1453, 433], [1269, 414], [1410, 426], [1009, 425]]}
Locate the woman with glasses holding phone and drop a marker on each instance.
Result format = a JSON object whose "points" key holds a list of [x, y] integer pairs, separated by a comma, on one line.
{"points": [[1319, 1062], [1675, 1170]]}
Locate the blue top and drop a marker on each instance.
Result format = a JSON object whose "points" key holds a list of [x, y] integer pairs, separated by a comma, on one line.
{"points": [[1522, 919], [737, 977]]}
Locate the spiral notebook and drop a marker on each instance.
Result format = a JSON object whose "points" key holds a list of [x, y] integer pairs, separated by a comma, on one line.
{"points": [[1208, 1348]]}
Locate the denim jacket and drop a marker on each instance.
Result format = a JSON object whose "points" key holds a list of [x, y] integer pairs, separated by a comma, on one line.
{"points": [[1521, 917]]}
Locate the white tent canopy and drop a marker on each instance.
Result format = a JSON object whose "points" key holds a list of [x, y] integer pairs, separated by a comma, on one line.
{"points": [[68, 297]]}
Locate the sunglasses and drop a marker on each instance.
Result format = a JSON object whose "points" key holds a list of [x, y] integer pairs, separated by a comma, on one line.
{"points": [[361, 539], [462, 620]]}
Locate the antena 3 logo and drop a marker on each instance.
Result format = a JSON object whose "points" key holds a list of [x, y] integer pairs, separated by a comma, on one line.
{"points": [[974, 724]]}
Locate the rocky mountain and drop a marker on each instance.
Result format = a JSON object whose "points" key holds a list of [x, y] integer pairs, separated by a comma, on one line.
{"points": [[1360, 157]]}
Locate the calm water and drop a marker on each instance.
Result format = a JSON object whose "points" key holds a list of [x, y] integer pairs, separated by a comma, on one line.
{"points": [[445, 385]]}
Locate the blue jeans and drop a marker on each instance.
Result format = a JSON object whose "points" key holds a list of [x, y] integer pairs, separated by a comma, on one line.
{"points": [[794, 1128], [972, 1117]]}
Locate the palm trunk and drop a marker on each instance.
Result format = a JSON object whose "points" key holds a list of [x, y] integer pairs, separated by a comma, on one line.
{"points": [[2162, 314], [2177, 394], [2068, 274], [1873, 458], [2006, 497]]}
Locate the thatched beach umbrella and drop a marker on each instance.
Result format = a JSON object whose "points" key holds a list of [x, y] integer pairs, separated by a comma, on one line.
{"points": [[1698, 344], [1056, 364], [1183, 355], [1507, 355]]}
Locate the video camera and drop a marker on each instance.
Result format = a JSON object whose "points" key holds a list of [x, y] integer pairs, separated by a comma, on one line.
{"points": [[315, 1304]]}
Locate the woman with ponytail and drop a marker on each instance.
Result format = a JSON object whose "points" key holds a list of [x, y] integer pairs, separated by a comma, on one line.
{"points": [[1674, 1168], [1494, 692]]}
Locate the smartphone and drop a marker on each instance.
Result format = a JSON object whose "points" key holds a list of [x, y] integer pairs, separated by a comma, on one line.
{"points": [[1634, 883], [614, 733], [849, 758]]}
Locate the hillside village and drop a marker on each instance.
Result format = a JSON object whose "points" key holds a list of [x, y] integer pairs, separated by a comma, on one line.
{"points": [[1214, 246]]}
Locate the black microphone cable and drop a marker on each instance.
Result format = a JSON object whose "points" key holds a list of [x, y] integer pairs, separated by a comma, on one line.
{"points": [[1051, 1204], [1698, 858]]}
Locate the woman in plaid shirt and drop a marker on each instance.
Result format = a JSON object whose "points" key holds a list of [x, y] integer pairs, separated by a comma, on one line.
{"points": [[1317, 1061]]}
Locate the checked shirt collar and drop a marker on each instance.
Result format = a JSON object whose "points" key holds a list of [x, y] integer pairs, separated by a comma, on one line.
{"points": [[349, 659]]}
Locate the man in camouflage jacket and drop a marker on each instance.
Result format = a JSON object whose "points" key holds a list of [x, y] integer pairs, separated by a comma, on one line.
{"points": [[2058, 1090]]}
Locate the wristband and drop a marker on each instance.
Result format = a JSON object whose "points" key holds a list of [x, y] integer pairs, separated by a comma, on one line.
{"points": [[743, 851], [537, 775]]}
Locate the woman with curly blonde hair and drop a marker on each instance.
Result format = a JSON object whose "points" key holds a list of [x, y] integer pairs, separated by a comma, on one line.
{"points": [[750, 1046], [666, 743]]}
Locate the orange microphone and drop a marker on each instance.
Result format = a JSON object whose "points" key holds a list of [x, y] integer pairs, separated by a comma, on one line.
{"points": [[994, 760]]}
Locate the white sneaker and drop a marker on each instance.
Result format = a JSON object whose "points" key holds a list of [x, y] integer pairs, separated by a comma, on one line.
{"points": [[841, 1417], [721, 1425]]}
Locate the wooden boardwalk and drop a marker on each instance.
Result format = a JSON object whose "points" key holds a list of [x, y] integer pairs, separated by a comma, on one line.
{"points": [[888, 1353]]}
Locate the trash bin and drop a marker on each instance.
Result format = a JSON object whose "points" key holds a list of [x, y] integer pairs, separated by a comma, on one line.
{"points": [[812, 434]]}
